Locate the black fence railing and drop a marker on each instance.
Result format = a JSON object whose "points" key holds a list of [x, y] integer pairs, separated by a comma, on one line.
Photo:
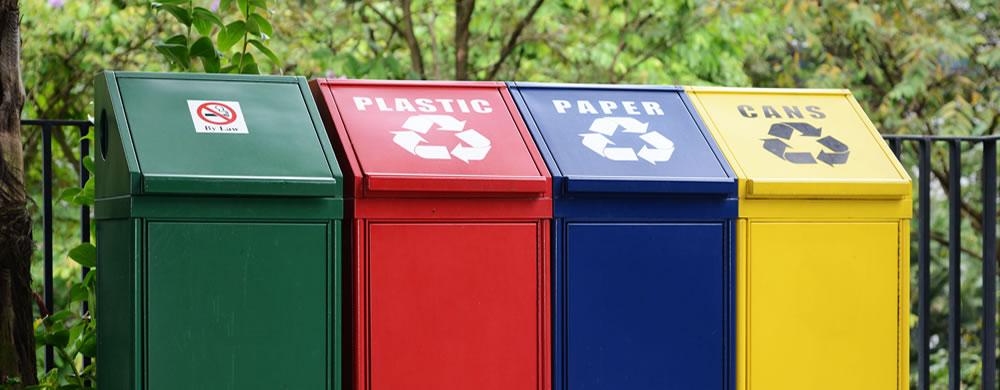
{"points": [[48, 126], [922, 147]]}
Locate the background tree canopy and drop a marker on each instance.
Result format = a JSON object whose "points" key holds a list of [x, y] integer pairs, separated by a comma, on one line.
{"points": [[917, 67]]}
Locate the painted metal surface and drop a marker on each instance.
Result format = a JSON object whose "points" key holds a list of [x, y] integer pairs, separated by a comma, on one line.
{"points": [[197, 240], [482, 307], [801, 143], [451, 208], [643, 242], [416, 137], [622, 140], [823, 240], [279, 124]]}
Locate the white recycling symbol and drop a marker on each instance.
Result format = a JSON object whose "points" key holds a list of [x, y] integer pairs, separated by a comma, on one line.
{"points": [[472, 146], [657, 148]]}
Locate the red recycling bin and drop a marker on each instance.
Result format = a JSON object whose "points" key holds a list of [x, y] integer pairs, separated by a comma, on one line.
{"points": [[450, 204]]}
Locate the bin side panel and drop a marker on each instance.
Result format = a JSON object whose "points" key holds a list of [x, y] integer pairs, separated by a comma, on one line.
{"points": [[117, 310], [454, 306], [238, 305], [645, 306], [114, 156], [823, 305]]}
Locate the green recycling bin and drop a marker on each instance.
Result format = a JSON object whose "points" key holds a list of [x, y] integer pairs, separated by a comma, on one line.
{"points": [[219, 211]]}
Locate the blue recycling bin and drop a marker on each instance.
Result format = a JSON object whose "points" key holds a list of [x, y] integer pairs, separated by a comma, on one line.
{"points": [[643, 246]]}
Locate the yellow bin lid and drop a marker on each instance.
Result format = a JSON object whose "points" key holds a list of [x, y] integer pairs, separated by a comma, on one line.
{"points": [[799, 143]]}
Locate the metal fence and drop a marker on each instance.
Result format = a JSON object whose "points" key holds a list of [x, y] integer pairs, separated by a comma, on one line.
{"points": [[47, 126], [922, 145]]}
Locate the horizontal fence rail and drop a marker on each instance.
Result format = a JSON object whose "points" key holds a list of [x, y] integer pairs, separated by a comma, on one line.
{"points": [[923, 147]]}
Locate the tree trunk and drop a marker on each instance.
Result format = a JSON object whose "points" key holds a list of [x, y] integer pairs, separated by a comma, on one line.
{"points": [[17, 338]]}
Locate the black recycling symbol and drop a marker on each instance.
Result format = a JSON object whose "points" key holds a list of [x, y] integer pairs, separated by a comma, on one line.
{"points": [[833, 153]]}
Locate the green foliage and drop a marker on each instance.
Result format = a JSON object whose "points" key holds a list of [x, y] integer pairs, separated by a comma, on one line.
{"points": [[230, 51], [917, 67], [73, 335]]}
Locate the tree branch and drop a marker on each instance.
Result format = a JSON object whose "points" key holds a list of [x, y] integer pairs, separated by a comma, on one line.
{"points": [[943, 240], [513, 41], [463, 17], [404, 28], [416, 57]]}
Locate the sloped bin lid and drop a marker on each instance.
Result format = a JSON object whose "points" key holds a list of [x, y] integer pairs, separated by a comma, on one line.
{"points": [[432, 137], [794, 143], [632, 139], [221, 134]]}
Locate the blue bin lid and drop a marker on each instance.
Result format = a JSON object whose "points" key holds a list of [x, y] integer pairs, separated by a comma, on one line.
{"points": [[623, 139]]}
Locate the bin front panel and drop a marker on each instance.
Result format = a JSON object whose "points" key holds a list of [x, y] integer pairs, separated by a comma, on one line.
{"points": [[645, 306], [239, 305], [267, 133], [623, 133], [409, 133], [116, 245], [454, 306], [801, 143], [823, 305]]}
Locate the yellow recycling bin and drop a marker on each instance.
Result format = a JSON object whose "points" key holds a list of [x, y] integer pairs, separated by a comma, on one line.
{"points": [[822, 240]]}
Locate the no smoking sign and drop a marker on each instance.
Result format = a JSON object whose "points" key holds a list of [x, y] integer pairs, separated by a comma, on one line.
{"points": [[217, 117]]}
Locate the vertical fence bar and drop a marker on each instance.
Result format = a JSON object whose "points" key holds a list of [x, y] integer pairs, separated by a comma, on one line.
{"points": [[47, 227], [84, 214], [989, 336], [894, 144], [954, 264], [924, 270]]}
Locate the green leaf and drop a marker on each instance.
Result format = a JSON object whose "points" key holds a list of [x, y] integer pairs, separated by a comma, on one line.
{"points": [[181, 14], [224, 5], [69, 193], [230, 35], [251, 69], [60, 316], [244, 5], [78, 293], [176, 50], [263, 25], [84, 254], [259, 3], [211, 64], [179, 39], [252, 25], [176, 54], [89, 346], [86, 195], [207, 14], [203, 48], [249, 65], [88, 162], [90, 279], [204, 19], [267, 52], [58, 339]]}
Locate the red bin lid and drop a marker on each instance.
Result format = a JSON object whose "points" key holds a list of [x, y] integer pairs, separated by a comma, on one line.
{"points": [[431, 137]]}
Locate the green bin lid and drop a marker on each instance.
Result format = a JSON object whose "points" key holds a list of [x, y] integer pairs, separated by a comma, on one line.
{"points": [[218, 134]]}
